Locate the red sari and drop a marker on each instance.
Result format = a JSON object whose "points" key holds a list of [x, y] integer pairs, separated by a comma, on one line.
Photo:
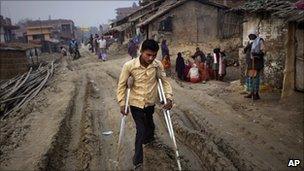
{"points": [[204, 75]]}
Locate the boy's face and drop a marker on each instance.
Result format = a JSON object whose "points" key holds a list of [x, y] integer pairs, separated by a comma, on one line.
{"points": [[148, 56]]}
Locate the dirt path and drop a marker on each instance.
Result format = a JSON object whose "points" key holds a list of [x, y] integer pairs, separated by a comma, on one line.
{"points": [[63, 128]]}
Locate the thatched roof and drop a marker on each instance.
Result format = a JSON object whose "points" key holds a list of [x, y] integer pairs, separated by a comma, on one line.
{"points": [[276, 8], [165, 9], [137, 11]]}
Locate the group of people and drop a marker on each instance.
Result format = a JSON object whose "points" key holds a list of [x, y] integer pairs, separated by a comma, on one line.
{"points": [[201, 68], [98, 44]]}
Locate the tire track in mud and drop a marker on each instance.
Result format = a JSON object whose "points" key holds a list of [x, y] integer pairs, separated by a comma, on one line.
{"points": [[74, 143], [57, 152], [101, 113], [203, 139], [214, 150], [94, 110], [77, 144], [75, 123], [105, 119], [242, 156], [189, 159]]}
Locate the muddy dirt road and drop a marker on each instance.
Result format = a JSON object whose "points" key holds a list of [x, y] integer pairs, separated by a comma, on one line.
{"points": [[62, 128]]}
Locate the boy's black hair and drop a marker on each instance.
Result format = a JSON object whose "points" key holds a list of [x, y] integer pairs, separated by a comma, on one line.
{"points": [[150, 44]]}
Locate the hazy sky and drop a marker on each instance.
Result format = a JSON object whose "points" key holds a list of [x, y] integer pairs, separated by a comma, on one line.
{"points": [[83, 13]]}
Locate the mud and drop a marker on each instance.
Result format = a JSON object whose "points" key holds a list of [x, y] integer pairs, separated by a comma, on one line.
{"points": [[61, 129]]}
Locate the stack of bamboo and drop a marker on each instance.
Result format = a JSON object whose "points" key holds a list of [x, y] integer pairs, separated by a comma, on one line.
{"points": [[18, 91]]}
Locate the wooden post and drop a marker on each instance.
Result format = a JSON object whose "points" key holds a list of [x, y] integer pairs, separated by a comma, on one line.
{"points": [[289, 71]]}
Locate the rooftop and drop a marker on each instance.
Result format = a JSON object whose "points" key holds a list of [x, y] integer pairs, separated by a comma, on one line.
{"points": [[7, 23], [277, 8], [166, 8], [17, 46], [39, 27], [38, 23]]}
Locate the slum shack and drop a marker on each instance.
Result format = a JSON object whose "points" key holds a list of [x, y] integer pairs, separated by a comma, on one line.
{"points": [[16, 58]]}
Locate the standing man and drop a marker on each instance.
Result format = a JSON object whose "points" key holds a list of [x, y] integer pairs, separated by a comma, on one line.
{"points": [[247, 52], [255, 63], [102, 48], [132, 49], [91, 43], [73, 47], [145, 70], [95, 44]]}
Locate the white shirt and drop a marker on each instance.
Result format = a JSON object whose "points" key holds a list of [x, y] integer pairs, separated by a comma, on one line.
{"points": [[102, 43], [194, 72]]}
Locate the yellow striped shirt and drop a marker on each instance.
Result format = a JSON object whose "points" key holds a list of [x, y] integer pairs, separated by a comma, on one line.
{"points": [[144, 90]]}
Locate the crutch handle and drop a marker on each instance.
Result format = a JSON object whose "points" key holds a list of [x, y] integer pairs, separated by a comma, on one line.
{"points": [[130, 81], [127, 101]]}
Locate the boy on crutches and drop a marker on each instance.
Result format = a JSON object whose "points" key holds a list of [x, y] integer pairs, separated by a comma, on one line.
{"points": [[143, 94]]}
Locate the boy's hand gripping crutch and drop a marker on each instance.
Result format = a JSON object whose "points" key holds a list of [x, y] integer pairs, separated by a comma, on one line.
{"points": [[168, 121]]}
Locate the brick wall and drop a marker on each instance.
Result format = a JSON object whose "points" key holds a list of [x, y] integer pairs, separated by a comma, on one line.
{"points": [[12, 63]]}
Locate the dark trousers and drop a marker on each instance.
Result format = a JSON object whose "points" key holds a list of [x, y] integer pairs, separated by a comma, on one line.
{"points": [[145, 127]]}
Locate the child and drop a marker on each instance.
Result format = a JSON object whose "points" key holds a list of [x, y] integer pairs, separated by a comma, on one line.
{"points": [[167, 65], [194, 74]]}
